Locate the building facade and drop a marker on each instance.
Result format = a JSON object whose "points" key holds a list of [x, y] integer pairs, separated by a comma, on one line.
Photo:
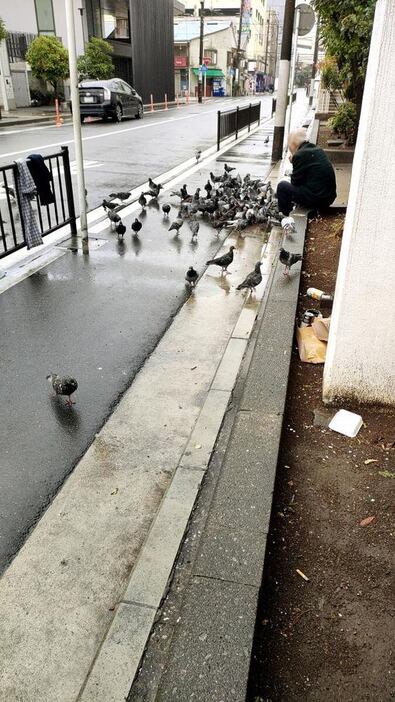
{"points": [[259, 26], [219, 46], [139, 31]]}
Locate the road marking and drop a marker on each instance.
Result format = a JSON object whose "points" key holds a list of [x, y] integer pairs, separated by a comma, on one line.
{"points": [[108, 134]]}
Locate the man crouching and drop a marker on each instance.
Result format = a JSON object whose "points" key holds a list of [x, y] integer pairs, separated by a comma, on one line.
{"points": [[313, 181]]}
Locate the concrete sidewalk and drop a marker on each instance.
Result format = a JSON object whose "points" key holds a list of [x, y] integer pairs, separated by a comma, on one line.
{"points": [[32, 115]]}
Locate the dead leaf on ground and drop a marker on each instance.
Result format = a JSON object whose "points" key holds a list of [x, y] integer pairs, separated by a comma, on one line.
{"points": [[387, 473], [114, 492], [367, 521]]}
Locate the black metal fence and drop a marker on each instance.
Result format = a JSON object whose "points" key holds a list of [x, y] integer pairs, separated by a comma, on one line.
{"points": [[232, 121], [49, 217]]}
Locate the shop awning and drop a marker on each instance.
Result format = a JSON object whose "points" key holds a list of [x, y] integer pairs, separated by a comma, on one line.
{"points": [[211, 73]]}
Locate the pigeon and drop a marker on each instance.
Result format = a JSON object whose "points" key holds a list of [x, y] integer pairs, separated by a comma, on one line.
{"points": [[109, 205], [142, 201], [10, 191], [63, 386], [198, 155], [177, 224], [288, 225], [214, 178], [222, 261], [253, 279], [152, 185], [266, 141], [114, 219], [288, 259], [136, 227], [120, 196], [208, 188], [191, 276], [154, 188], [194, 227], [182, 193], [228, 169], [166, 209], [120, 229]]}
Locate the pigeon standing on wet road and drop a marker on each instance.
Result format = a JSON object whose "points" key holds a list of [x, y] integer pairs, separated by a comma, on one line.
{"points": [[136, 227], [288, 259], [194, 227], [120, 230], [253, 279], [198, 155], [222, 261], [114, 219], [191, 276], [65, 386], [166, 209], [266, 141], [228, 169], [176, 225], [142, 201]]}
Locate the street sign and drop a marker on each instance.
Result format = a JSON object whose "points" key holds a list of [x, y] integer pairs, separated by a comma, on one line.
{"points": [[306, 18]]}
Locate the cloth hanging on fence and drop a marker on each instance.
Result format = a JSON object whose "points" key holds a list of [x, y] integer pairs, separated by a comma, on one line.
{"points": [[42, 178], [27, 191]]}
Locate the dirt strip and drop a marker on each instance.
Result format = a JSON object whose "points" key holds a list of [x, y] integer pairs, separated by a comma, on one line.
{"points": [[328, 636]]}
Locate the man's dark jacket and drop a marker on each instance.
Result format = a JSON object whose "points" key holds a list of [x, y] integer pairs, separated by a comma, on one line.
{"points": [[313, 174]]}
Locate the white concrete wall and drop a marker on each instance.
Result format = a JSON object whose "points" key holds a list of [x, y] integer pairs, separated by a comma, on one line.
{"points": [[19, 15], [60, 23], [361, 350]]}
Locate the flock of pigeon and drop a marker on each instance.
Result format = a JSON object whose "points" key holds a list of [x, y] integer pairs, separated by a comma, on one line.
{"points": [[230, 202]]}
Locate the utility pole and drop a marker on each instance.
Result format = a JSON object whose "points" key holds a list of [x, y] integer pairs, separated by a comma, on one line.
{"points": [[283, 80], [200, 99], [276, 52], [267, 43], [75, 102], [236, 63], [315, 59], [293, 70]]}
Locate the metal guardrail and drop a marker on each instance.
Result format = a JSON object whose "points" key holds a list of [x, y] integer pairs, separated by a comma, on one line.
{"points": [[274, 102], [49, 217], [232, 121]]}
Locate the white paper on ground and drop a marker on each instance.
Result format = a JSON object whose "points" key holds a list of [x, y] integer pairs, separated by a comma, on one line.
{"points": [[347, 423]]}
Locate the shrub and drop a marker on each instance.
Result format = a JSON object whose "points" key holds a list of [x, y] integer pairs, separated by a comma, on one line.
{"points": [[345, 122], [3, 31], [49, 60], [96, 63]]}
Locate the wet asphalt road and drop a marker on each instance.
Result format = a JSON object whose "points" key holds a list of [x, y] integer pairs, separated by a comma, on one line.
{"points": [[97, 319], [121, 156]]}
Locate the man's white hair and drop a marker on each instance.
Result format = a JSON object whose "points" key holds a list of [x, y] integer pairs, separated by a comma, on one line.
{"points": [[297, 137]]}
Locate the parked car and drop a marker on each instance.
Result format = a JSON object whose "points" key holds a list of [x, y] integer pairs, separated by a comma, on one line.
{"points": [[113, 99]]}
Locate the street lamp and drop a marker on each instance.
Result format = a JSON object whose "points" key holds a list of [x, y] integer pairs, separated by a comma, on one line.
{"points": [[75, 102]]}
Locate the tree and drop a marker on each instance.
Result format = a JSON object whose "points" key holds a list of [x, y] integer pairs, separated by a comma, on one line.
{"points": [[49, 60], [96, 62], [3, 31], [346, 28]]}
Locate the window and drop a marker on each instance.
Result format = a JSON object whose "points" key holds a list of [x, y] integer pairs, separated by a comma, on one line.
{"points": [[115, 19], [210, 57], [45, 18]]}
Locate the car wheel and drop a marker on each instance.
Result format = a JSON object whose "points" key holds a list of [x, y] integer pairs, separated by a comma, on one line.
{"points": [[118, 114], [140, 111]]}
